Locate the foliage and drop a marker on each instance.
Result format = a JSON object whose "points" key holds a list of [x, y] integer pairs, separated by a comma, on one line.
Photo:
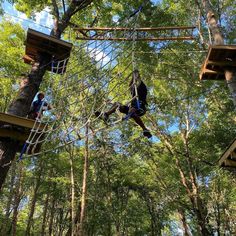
{"points": [[134, 186]]}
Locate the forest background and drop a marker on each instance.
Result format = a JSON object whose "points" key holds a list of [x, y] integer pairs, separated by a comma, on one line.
{"points": [[116, 182]]}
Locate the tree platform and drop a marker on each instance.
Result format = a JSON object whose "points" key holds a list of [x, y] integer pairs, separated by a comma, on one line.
{"points": [[228, 158], [19, 128], [37, 43], [218, 58]]}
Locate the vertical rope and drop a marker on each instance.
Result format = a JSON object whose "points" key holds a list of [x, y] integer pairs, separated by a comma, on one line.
{"points": [[134, 63]]}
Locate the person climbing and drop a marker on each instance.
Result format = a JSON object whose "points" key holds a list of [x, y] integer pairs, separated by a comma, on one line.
{"points": [[36, 111], [137, 107]]}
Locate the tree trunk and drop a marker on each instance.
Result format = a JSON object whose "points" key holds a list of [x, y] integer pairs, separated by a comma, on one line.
{"points": [[4, 223], [198, 208], [230, 76], [21, 105], [18, 195], [212, 23], [230, 73], [151, 205], [33, 202], [184, 223], [7, 153], [45, 210], [80, 225], [52, 216], [72, 180]]}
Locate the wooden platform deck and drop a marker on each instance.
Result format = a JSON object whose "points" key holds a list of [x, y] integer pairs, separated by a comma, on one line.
{"points": [[218, 58], [228, 158], [19, 128], [37, 42]]}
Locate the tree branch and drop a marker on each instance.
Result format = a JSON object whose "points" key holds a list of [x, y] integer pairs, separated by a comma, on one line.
{"points": [[64, 7], [57, 16], [55, 8], [73, 8]]}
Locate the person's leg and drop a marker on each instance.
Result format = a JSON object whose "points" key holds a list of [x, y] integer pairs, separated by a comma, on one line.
{"points": [[115, 106], [138, 121], [113, 109]]}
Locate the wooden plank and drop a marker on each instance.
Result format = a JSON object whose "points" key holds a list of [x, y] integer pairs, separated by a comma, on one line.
{"points": [[22, 137], [14, 134], [221, 63], [227, 153], [32, 50], [228, 163], [208, 71], [37, 42], [211, 74], [212, 77], [138, 39], [20, 121], [218, 58], [233, 155], [224, 47], [48, 37], [135, 29], [27, 59]]}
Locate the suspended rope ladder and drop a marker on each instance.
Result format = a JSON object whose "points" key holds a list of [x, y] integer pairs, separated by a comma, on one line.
{"points": [[92, 79], [142, 34]]}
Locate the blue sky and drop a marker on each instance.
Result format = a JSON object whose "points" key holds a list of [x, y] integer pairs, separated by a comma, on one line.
{"points": [[43, 21]]}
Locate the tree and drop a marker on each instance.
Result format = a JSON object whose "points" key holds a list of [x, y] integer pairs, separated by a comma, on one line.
{"points": [[229, 71], [21, 105], [135, 186]]}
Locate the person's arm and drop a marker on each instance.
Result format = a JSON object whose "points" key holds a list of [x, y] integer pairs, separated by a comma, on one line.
{"points": [[50, 107], [33, 106], [142, 92]]}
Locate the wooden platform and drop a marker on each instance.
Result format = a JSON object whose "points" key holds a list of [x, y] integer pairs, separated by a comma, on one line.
{"points": [[218, 58], [228, 159], [37, 43], [19, 128]]}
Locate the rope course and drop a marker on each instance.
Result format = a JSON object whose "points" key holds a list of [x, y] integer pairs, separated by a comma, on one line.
{"points": [[142, 34], [90, 84], [95, 79]]}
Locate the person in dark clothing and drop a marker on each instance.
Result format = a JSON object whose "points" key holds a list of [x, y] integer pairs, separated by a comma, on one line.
{"points": [[36, 110], [137, 108]]}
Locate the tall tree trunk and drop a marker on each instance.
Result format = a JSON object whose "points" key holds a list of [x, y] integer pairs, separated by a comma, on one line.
{"points": [[151, 205], [184, 223], [52, 216], [45, 210], [230, 72], [18, 196], [198, 208], [80, 225], [21, 105], [4, 223], [33, 201], [72, 181]]}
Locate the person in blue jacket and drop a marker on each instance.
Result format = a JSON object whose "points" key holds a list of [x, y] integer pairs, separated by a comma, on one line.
{"points": [[36, 110]]}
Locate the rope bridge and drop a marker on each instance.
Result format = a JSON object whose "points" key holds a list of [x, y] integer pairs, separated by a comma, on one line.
{"points": [[95, 79], [142, 34]]}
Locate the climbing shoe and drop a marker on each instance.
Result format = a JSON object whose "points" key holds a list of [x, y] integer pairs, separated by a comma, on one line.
{"points": [[147, 133], [102, 116]]}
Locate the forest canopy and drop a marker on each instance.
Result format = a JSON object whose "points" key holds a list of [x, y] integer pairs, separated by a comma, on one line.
{"points": [[92, 177]]}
